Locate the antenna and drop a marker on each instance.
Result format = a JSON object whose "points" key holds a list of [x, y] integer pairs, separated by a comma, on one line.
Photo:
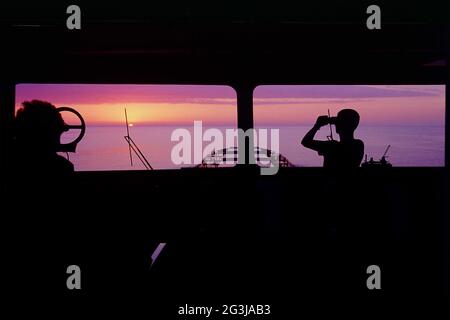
{"points": [[128, 136], [331, 128], [133, 147]]}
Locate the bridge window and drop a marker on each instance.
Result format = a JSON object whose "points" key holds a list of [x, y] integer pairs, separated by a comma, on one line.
{"points": [[154, 112], [409, 118]]}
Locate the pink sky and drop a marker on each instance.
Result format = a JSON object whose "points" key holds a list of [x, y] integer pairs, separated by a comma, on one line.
{"points": [[146, 104], [216, 105], [377, 105]]}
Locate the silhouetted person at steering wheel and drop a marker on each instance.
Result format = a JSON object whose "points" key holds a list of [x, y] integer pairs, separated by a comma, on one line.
{"points": [[38, 128], [348, 152]]}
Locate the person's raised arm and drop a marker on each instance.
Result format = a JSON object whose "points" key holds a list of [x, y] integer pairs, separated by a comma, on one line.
{"points": [[308, 140]]}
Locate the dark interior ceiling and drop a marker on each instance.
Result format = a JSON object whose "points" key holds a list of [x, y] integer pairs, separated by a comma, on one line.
{"points": [[225, 42], [319, 11]]}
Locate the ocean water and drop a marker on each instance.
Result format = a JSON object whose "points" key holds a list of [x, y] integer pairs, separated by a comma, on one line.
{"points": [[104, 147]]}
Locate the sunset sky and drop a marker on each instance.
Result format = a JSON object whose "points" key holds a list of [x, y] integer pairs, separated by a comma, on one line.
{"points": [[216, 105], [146, 104], [377, 105]]}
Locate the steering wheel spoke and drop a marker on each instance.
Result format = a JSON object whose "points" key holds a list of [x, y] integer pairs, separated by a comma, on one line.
{"points": [[78, 127], [71, 146]]}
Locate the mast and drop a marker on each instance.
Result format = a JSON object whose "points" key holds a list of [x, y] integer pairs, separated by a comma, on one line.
{"points": [[331, 128], [128, 136], [132, 146]]}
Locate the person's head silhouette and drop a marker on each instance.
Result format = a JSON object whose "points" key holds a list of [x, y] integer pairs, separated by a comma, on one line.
{"points": [[39, 126], [347, 121], [38, 130]]}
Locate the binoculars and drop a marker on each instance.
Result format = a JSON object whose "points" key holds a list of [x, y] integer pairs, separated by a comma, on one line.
{"points": [[332, 120]]}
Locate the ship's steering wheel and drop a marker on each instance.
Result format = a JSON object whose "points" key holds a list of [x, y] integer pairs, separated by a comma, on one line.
{"points": [[71, 146]]}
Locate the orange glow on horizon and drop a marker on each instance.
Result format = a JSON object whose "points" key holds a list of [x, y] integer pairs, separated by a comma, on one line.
{"points": [[145, 104], [154, 114]]}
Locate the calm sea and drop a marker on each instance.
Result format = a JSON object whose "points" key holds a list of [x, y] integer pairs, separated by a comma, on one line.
{"points": [[104, 148]]}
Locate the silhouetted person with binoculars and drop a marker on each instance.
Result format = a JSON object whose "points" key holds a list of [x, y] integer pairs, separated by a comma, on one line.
{"points": [[347, 152]]}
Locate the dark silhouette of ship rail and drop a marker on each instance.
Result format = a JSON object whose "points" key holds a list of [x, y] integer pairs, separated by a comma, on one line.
{"points": [[263, 157]]}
